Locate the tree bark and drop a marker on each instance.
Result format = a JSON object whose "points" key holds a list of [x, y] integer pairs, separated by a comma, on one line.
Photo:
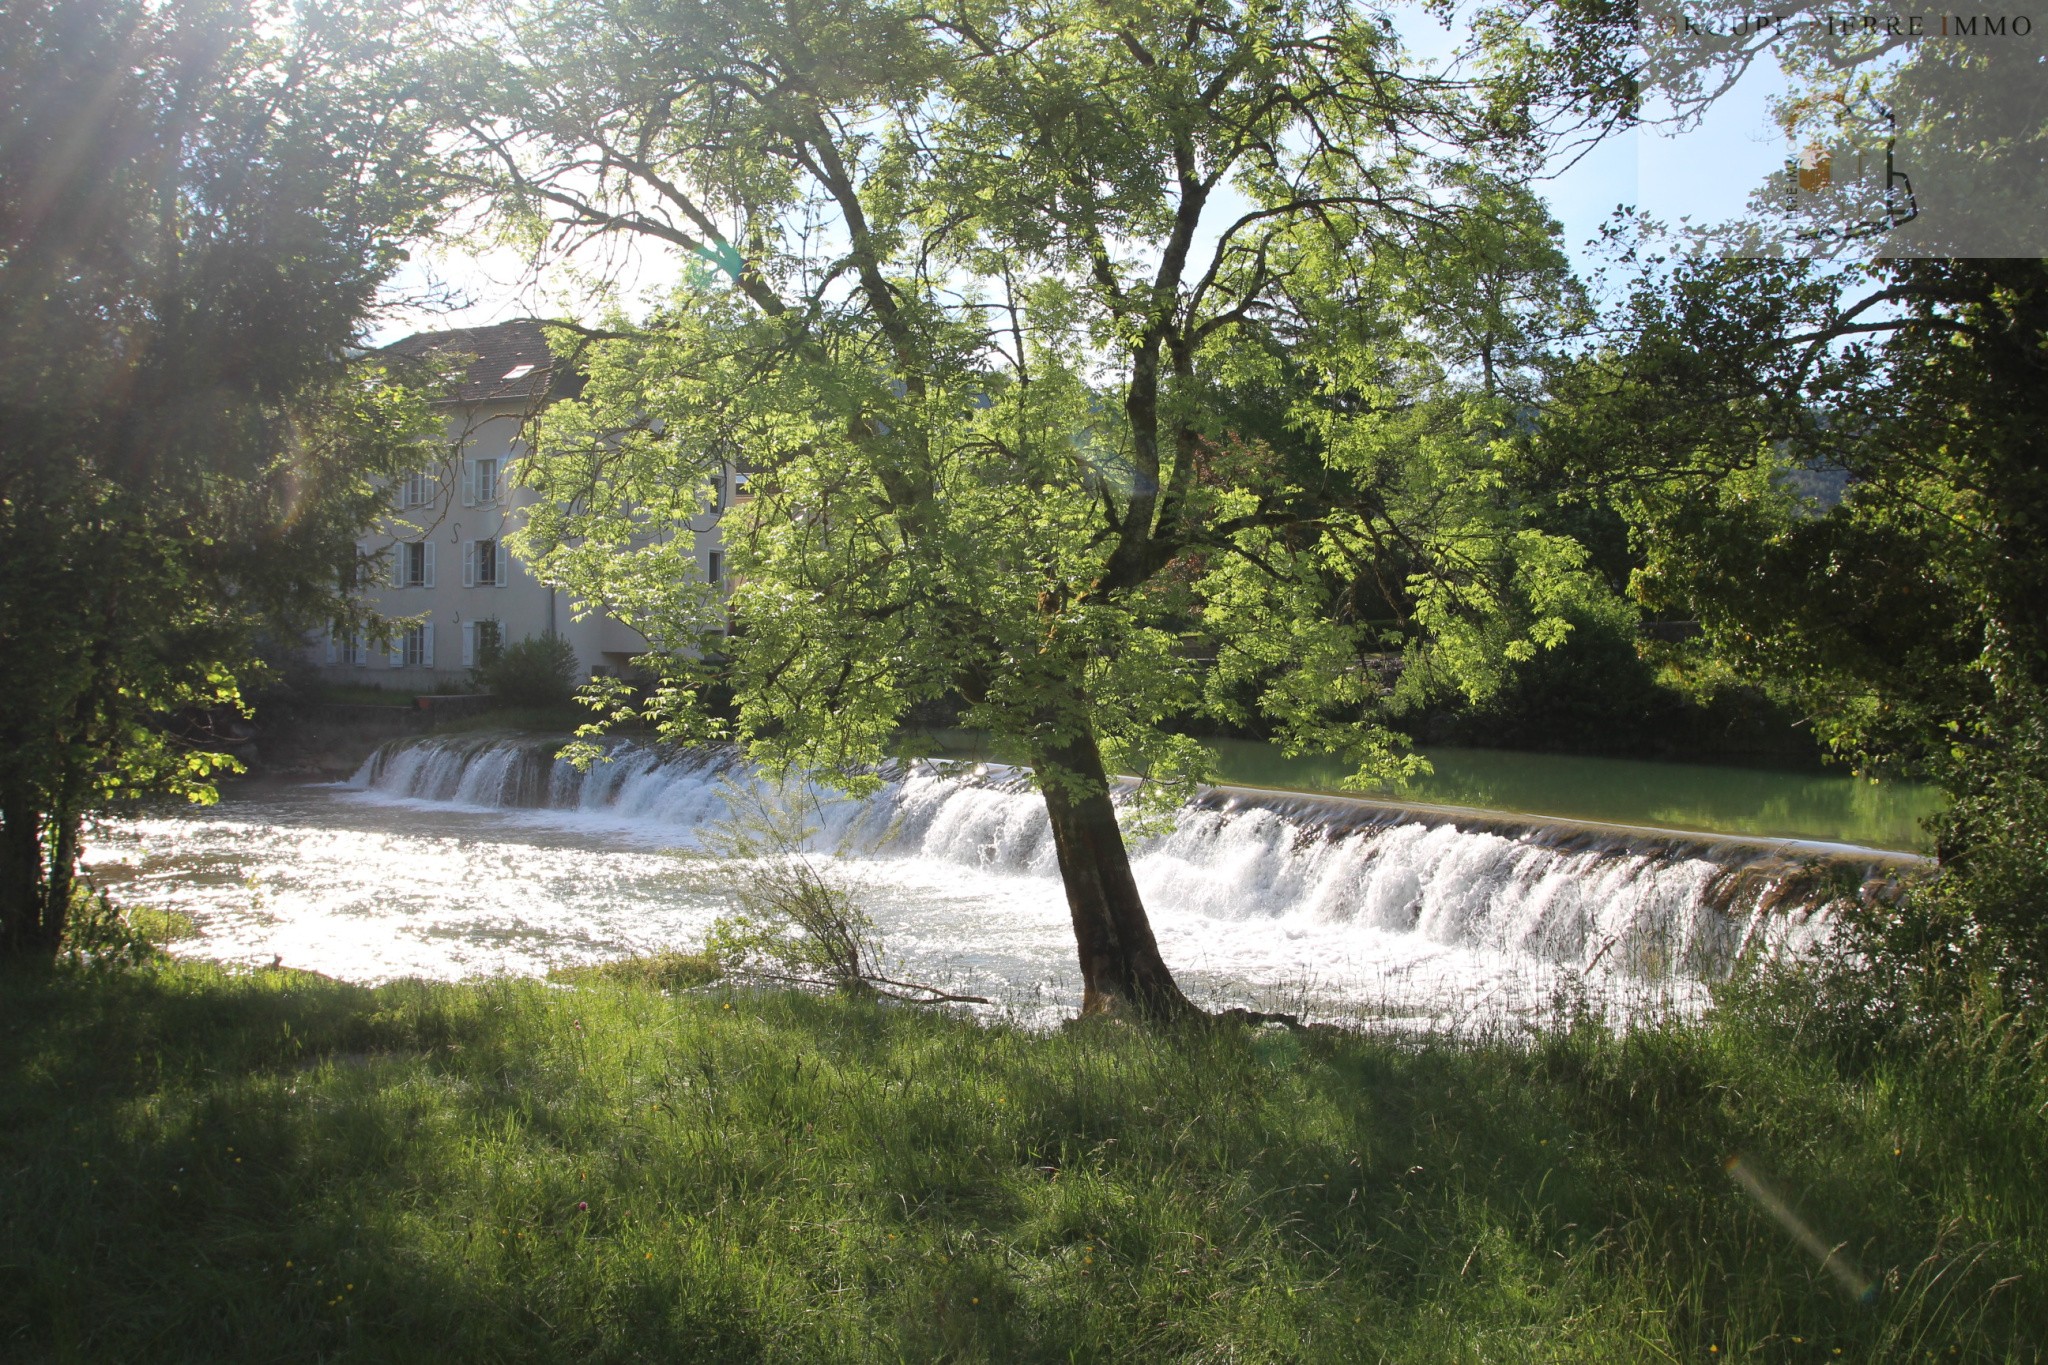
{"points": [[1121, 970], [22, 892], [60, 879]]}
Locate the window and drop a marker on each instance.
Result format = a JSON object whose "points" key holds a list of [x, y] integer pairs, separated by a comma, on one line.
{"points": [[485, 564], [714, 569], [519, 372], [740, 489], [483, 482], [412, 564], [481, 641], [414, 648], [419, 489]]}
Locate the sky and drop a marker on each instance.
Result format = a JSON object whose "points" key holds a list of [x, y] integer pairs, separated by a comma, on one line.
{"points": [[1702, 174]]}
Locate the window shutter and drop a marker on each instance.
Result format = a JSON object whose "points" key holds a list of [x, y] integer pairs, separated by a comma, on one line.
{"points": [[330, 646], [469, 483], [468, 563], [504, 558], [427, 645], [398, 651], [398, 495], [427, 566], [398, 565], [469, 644]]}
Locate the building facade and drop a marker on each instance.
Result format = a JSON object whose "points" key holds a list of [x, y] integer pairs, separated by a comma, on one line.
{"points": [[449, 575]]}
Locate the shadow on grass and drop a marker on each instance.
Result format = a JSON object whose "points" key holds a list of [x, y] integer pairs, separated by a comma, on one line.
{"points": [[272, 1165]]}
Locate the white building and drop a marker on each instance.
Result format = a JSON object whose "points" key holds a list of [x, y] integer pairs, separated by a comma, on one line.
{"points": [[448, 569]]}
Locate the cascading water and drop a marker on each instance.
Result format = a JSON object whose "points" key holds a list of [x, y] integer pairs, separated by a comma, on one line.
{"points": [[1238, 863]]}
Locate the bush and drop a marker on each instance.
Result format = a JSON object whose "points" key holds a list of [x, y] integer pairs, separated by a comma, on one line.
{"points": [[797, 916], [1979, 928], [100, 933], [537, 671]]}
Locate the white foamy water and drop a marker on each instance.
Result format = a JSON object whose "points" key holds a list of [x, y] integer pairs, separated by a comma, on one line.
{"points": [[448, 859]]}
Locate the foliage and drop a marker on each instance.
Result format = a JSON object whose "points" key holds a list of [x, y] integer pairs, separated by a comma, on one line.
{"points": [[99, 933], [197, 203], [1592, 692], [514, 1171], [538, 671], [792, 919], [1098, 368], [797, 915], [1904, 617], [1977, 935]]}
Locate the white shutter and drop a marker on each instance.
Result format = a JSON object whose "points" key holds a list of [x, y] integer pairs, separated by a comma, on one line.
{"points": [[469, 644], [398, 494], [398, 651], [398, 565], [427, 568], [469, 483], [468, 563], [504, 563], [427, 645], [330, 646]]}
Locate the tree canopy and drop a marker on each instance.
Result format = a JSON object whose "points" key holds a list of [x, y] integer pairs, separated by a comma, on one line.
{"points": [[1839, 475], [198, 201], [1098, 368]]}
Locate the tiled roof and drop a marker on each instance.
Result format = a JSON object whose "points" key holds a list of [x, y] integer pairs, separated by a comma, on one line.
{"points": [[512, 362]]}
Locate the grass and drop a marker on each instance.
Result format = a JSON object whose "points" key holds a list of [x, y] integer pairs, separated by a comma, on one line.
{"points": [[532, 720], [668, 971], [362, 694], [204, 1165]]}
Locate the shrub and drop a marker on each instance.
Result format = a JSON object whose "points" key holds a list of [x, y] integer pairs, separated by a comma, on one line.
{"points": [[101, 933], [537, 671], [797, 917]]}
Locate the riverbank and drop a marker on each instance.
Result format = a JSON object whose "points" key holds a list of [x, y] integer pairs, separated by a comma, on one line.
{"points": [[208, 1165]]}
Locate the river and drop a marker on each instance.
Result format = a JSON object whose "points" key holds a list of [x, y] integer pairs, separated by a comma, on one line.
{"points": [[479, 856]]}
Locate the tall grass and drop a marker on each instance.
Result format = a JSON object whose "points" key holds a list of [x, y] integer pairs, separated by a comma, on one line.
{"points": [[209, 1166]]}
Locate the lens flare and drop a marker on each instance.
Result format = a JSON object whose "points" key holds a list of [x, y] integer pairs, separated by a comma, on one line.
{"points": [[1832, 1259]]}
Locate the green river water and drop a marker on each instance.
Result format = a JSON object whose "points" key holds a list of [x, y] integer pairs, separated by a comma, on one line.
{"points": [[1833, 807]]}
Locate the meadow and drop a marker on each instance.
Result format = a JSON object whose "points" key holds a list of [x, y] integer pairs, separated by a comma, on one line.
{"points": [[213, 1164]]}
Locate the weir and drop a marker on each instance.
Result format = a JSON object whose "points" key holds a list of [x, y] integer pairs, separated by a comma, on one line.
{"points": [[1653, 904]]}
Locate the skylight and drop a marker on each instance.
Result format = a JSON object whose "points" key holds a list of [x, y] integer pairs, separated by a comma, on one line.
{"points": [[519, 372]]}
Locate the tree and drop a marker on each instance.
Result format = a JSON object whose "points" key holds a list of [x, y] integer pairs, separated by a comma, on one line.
{"points": [[1907, 614], [1006, 282], [197, 203]]}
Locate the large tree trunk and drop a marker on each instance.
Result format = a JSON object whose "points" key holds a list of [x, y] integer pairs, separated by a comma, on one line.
{"points": [[38, 869], [1121, 970], [60, 880], [23, 892]]}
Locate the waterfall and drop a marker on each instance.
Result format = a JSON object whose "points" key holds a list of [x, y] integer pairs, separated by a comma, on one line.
{"points": [[1652, 904]]}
